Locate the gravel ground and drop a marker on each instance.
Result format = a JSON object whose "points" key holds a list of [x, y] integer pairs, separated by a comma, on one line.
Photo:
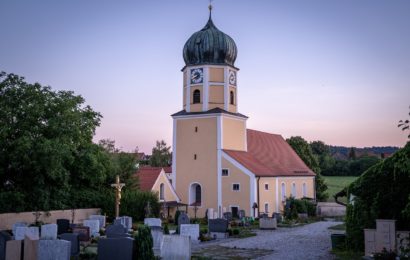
{"points": [[306, 242]]}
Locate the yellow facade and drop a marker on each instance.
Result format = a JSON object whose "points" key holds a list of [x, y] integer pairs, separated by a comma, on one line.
{"points": [[169, 194], [216, 75], [234, 134], [216, 95]]}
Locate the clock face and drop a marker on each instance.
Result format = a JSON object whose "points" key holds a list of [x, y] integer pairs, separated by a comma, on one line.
{"points": [[197, 76], [232, 77]]}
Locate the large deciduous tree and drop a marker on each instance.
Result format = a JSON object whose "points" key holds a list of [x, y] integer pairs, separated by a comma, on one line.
{"points": [[303, 149]]}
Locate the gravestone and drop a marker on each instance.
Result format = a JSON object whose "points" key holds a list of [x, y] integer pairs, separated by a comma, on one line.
{"points": [[18, 224], [241, 214], [4, 237], [210, 213], [113, 231], [278, 217], [63, 225], [94, 226], [20, 232], [369, 241], [115, 248], [30, 247], [13, 249], [75, 242], [153, 222], [183, 219], [49, 231], [83, 233], [119, 222], [100, 218], [157, 234], [176, 247], [385, 234], [191, 230], [228, 216], [126, 221], [54, 249], [218, 227], [267, 223]]}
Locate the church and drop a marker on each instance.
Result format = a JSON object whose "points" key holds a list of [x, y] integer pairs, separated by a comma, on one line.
{"points": [[218, 164]]}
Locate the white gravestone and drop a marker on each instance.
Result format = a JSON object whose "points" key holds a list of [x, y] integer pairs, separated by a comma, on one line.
{"points": [[94, 225], [210, 213], [176, 247], [49, 231], [153, 222], [267, 223], [18, 224], [54, 250], [191, 230], [157, 235], [100, 218], [20, 233]]}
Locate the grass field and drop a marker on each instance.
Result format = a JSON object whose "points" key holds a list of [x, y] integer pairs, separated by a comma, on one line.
{"points": [[336, 184]]}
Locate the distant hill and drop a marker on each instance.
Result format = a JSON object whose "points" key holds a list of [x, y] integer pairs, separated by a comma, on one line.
{"points": [[342, 152]]}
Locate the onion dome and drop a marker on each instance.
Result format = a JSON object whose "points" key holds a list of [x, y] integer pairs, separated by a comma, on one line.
{"points": [[210, 46]]}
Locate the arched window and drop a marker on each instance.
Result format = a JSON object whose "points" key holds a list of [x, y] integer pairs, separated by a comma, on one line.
{"points": [[161, 191], [294, 190], [304, 189], [195, 194], [232, 98], [197, 96], [283, 192]]}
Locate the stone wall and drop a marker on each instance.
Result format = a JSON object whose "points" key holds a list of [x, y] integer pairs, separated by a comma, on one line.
{"points": [[330, 209], [8, 219]]}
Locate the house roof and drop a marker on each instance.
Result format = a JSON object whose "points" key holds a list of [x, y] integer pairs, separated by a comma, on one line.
{"points": [[270, 155], [147, 176]]}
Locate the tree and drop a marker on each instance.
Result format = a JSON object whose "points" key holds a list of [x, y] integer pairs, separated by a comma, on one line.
{"points": [[303, 149], [405, 125], [352, 154], [322, 153], [161, 155]]}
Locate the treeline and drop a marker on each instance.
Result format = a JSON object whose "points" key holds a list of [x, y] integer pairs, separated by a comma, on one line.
{"points": [[342, 152]]}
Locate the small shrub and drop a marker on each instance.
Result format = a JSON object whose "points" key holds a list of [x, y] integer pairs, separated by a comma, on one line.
{"points": [[144, 243], [203, 231], [230, 232], [235, 231], [166, 229]]}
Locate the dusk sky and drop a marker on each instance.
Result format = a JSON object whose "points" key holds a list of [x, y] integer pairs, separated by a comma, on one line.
{"points": [[336, 71]]}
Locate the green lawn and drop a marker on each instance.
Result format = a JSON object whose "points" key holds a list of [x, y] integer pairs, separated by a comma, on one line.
{"points": [[336, 184]]}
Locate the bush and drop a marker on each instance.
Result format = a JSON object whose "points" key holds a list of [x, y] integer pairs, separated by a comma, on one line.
{"points": [[203, 231], [235, 231], [144, 243], [166, 229], [295, 206]]}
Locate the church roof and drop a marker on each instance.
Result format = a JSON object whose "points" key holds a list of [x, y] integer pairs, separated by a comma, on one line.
{"points": [[269, 155], [147, 176], [216, 110]]}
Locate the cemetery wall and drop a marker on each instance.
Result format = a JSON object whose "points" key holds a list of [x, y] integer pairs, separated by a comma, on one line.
{"points": [[330, 209], [8, 219]]}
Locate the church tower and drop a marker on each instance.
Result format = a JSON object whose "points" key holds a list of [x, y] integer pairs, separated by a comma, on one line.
{"points": [[209, 121]]}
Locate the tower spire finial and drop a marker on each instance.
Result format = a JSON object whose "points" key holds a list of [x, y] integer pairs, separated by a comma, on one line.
{"points": [[210, 9]]}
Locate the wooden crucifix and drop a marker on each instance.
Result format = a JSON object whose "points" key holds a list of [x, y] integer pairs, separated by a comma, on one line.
{"points": [[118, 187]]}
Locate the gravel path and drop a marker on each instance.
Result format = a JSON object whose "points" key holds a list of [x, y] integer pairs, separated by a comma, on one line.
{"points": [[306, 242]]}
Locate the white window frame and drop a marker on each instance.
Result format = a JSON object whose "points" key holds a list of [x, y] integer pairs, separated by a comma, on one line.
{"points": [[239, 186], [226, 170], [162, 191], [283, 191], [293, 190], [304, 189]]}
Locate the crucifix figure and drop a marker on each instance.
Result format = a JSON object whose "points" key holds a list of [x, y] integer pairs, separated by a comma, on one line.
{"points": [[117, 186]]}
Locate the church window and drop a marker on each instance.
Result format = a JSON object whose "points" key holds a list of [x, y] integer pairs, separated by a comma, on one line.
{"points": [[195, 195], [196, 129], [197, 96], [236, 187], [304, 189], [293, 190], [266, 186], [225, 172], [194, 156], [283, 191], [266, 207], [232, 98], [161, 191]]}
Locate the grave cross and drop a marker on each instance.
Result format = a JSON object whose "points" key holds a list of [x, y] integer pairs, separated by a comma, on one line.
{"points": [[118, 187]]}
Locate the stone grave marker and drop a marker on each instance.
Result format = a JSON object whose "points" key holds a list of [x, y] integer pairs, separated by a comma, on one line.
{"points": [[30, 247], [118, 222], [18, 224], [54, 249], [20, 233], [157, 234], [13, 249], [218, 227], [176, 247], [191, 230], [183, 219], [100, 218], [267, 223], [113, 231], [228, 216], [385, 234], [126, 221], [153, 222], [83, 233], [4, 237], [75, 243], [241, 214], [49, 231], [94, 226], [63, 225], [115, 248], [210, 213]]}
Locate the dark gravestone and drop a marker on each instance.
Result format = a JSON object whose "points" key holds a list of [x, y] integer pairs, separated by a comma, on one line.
{"points": [[75, 242], [241, 214], [115, 248], [63, 225], [118, 222], [183, 219], [83, 233], [263, 215], [116, 231], [4, 237], [218, 225], [228, 216]]}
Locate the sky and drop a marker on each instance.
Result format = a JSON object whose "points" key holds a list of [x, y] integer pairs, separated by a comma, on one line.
{"points": [[330, 70]]}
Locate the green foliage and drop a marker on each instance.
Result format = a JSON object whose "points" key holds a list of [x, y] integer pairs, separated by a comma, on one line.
{"points": [[352, 154], [382, 192], [161, 155], [304, 150], [294, 206], [166, 229], [352, 167], [134, 202], [144, 243], [405, 125]]}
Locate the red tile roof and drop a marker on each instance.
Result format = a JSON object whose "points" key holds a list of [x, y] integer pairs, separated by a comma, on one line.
{"points": [[147, 176], [270, 155]]}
